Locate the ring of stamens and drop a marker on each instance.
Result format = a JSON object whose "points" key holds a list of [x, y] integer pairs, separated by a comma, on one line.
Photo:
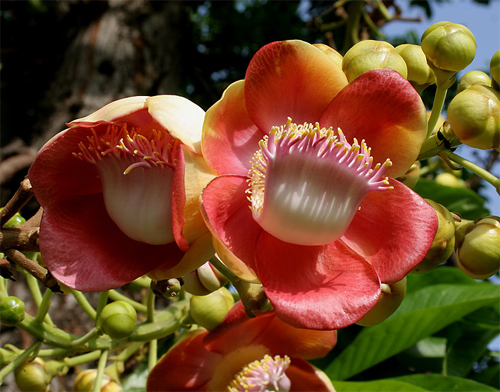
{"points": [[117, 141], [311, 177], [267, 374]]}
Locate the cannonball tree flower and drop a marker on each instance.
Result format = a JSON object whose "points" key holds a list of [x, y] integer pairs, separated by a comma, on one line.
{"points": [[242, 354], [120, 194], [304, 203]]}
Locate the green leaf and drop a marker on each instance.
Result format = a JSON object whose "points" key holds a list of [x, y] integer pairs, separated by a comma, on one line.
{"points": [[136, 381], [464, 201], [439, 275], [422, 313], [439, 383], [417, 382]]}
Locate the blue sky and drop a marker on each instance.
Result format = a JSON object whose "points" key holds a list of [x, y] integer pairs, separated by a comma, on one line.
{"points": [[484, 22]]}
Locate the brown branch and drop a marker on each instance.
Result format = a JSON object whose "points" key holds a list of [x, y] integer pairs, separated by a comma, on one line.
{"points": [[24, 239], [6, 270], [40, 273], [20, 198]]}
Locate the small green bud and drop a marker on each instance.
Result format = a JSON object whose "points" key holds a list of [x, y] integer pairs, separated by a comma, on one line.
{"points": [[118, 319], [32, 376], [84, 382], [472, 78], [11, 311], [474, 116], [16, 220], [478, 248], [448, 179], [204, 280], [449, 46], [167, 288], [370, 54], [495, 68], [209, 310], [444, 239], [332, 53], [391, 297], [419, 73]]}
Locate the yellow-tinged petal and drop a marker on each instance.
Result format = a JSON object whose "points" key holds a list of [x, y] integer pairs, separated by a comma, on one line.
{"points": [[115, 109], [332, 53], [198, 253], [182, 118]]}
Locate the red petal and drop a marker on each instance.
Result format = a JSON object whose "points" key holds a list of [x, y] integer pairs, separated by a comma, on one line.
{"points": [[318, 287], [290, 79], [383, 108], [230, 138], [304, 377], [56, 174], [187, 366], [227, 212], [267, 330], [393, 230], [84, 249], [179, 200]]}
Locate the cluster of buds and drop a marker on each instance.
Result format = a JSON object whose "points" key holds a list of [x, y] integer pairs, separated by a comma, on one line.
{"points": [[85, 381]]}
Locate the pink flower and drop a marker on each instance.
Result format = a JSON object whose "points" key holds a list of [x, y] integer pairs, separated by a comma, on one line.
{"points": [[120, 191], [303, 208], [243, 351]]}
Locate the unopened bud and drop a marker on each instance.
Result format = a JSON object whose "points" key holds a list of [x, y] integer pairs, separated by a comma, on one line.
{"points": [[167, 288], [420, 75], [474, 116], [209, 310], [204, 280], [495, 69], [449, 46], [332, 53], [450, 180], [118, 319], [478, 248], [85, 380], [390, 298], [16, 220], [472, 78], [32, 376], [11, 311], [370, 54], [444, 239], [412, 175]]}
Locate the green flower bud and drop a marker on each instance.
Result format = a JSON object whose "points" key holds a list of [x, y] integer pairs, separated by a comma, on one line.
{"points": [[495, 68], [478, 248], [444, 239], [411, 177], [32, 376], [449, 46], [369, 54], [390, 298], [11, 311], [118, 319], [85, 380], [167, 288], [16, 220], [472, 78], [209, 310], [204, 280], [332, 53], [450, 180], [419, 73], [474, 116]]}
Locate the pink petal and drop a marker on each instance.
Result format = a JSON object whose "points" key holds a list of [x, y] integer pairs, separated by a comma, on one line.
{"points": [[318, 287], [116, 109], [228, 216], [393, 230], [187, 366], [290, 79], [383, 108], [84, 249], [230, 138], [305, 377]]}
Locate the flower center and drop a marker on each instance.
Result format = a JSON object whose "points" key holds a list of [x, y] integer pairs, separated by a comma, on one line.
{"points": [[136, 174], [306, 183], [268, 374]]}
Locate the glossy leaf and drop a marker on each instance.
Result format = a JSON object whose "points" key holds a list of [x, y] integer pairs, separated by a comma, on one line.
{"points": [[422, 313]]}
